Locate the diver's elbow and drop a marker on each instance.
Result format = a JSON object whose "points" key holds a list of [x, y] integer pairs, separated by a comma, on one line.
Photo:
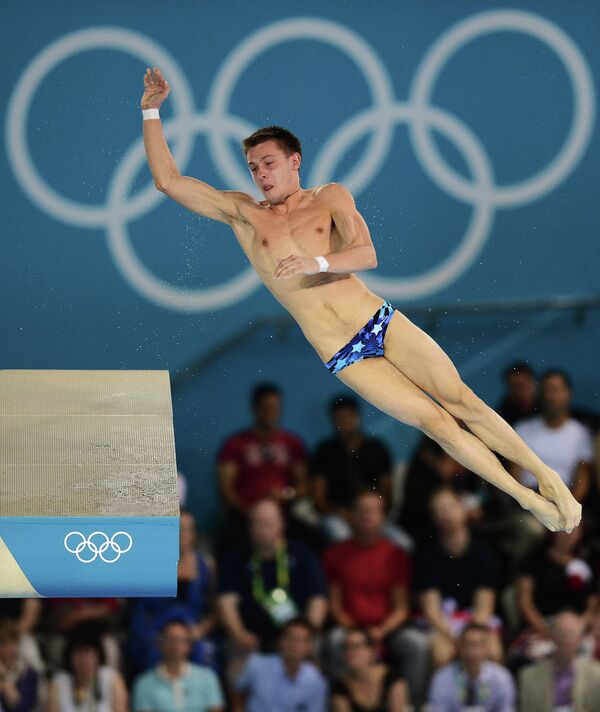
{"points": [[373, 262]]}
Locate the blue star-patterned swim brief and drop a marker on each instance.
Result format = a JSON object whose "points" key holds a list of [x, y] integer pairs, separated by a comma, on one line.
{"points": [[367, 343]]}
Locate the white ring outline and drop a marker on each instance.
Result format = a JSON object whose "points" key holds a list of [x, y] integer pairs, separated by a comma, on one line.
{"points": [[233, 290], [582, 123], [86, 542], [70, 211]]}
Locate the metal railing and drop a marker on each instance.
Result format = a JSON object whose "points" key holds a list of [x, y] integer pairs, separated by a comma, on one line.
{"points": [[433, 314]]}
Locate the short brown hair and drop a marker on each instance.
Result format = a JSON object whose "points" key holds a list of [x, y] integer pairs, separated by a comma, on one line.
{"points": [[287, 141]]}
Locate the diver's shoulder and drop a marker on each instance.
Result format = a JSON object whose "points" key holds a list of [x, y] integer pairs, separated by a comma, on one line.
{"points": [[331, 187], [332, 191]]}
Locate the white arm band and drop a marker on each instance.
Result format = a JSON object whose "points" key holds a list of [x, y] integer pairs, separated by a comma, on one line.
{"points": [[150, 114], [323, 264]]}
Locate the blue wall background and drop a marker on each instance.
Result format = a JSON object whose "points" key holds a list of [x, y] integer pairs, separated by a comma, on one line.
{"points": [[99, 271]]}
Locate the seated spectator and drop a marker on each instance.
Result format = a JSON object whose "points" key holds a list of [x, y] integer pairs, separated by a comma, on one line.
{"points": [[267, 580], [369, 579], [86, 683], [366, 685], [175, 683], [99, 616], [555, 576], [520, 398], [456, 578], [565, 680], [562, 442], [25, 612], [194, 604], [430, 468], [262, 461], [472, 681], [19, 682], [285, 681], [347, 463]]}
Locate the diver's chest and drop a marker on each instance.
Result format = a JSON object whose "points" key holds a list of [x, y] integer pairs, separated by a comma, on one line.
{"points": [[280, 237]]}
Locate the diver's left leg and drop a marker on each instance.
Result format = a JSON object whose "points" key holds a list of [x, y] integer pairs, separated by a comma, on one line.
{"points": [[427, 365]]}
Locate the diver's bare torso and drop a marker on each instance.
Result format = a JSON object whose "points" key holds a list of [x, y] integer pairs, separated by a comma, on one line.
{"points": [[330, 308]]}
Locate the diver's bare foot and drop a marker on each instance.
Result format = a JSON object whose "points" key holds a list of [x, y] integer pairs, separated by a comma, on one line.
{"points": [[555, 490], [543, 510]]}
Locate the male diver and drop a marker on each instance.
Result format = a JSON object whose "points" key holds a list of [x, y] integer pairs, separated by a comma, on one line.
{"points": [[306, 245]]}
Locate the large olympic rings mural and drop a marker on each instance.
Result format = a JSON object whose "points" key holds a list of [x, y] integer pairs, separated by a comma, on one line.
{"points": [[378, 121]]}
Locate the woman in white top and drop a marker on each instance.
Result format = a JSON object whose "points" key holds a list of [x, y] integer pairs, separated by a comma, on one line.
{"points": [[86, 684]]}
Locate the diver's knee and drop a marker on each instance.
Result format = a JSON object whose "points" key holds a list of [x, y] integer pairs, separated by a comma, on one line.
{"points": [[459, 399], [439, 425]]}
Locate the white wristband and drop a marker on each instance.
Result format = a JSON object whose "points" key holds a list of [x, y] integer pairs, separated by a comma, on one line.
{"points": [[323, 264], [150, 114]]}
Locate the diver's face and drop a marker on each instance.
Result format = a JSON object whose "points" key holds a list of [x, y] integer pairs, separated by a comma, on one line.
{"points": [[273, 172]]}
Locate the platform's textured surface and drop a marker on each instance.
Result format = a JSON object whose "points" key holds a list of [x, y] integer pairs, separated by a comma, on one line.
{"points": [[78, 443], [88, 484]]}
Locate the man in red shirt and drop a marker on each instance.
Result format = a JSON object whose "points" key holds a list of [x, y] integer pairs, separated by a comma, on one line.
{"points": [[369, 581], [263, 461]]}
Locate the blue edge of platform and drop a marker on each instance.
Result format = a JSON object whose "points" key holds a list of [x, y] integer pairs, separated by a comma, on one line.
{"points": [[95, 556]]}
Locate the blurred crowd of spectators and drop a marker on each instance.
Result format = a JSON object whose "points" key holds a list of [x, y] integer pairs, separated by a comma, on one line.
{"points": [[337, 582]]}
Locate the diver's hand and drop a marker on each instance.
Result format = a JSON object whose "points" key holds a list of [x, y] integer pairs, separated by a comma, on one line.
{"points": [[156, 89], [293, 264]]}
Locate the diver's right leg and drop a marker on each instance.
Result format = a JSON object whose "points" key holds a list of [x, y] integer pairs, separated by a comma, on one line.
{"points": [[380, 383]]}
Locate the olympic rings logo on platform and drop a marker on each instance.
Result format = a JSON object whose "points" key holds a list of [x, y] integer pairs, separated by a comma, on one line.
{"points": [[480, 192], [87, 544]]}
